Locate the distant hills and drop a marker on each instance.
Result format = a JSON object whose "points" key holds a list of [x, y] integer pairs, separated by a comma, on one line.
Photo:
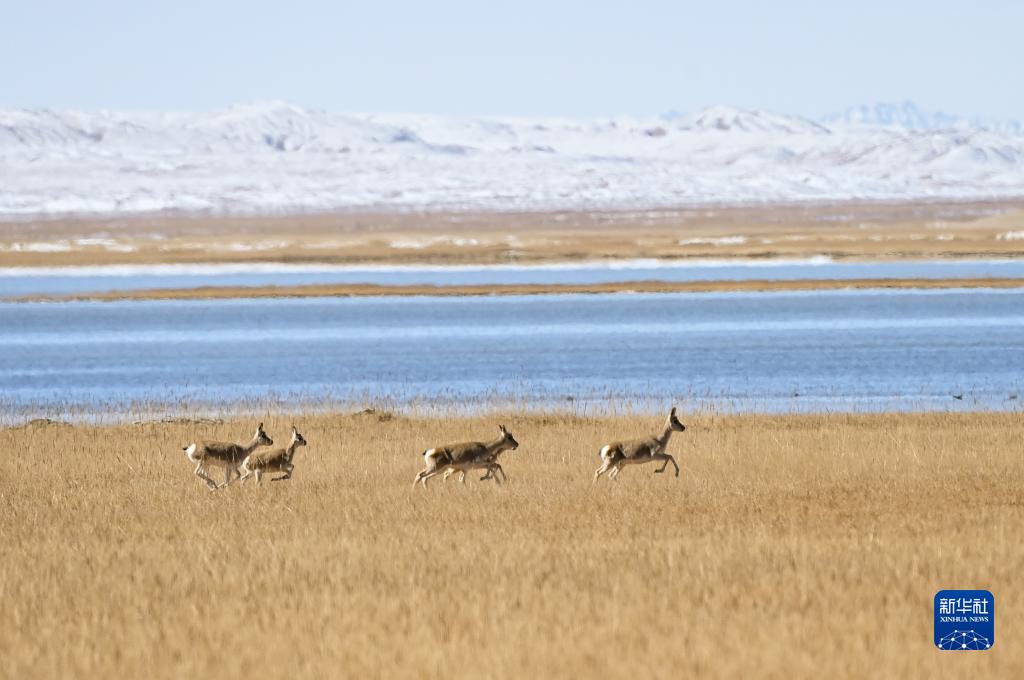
{"points": [[909, 116], [274, 157]]}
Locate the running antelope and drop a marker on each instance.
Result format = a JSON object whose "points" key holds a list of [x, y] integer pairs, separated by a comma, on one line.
{"points": [[466, 456], [643, 450], [492, 470], [278, 460], [228, 456]]}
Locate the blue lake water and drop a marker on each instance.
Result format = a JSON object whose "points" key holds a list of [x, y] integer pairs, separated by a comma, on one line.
{"points": [[25, 281], [780, 352]]}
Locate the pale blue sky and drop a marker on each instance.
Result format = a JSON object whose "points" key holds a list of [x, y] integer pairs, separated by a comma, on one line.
{"points": [[531, 57]]}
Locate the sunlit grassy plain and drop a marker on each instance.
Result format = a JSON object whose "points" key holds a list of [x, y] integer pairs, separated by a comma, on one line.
{"points": [[789, 546], [844, 231]]}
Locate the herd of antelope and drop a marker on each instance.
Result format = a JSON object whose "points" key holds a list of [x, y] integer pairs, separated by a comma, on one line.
{"points": [[241, 461]]}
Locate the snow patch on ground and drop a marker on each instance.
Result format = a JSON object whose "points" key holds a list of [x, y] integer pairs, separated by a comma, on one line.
{"points": [[65, 246], [420, 243], [719, 241], [40, 247]]}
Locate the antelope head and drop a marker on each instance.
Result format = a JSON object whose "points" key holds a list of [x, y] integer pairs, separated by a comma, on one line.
{"points": [[507, 440], [674, 422], [262, 438]]}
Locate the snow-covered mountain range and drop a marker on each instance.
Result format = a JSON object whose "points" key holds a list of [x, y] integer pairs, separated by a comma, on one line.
{"points": [[908, 116], [276, 157]]}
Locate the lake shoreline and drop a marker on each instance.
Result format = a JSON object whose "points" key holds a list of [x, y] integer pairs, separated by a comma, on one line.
{"points": [[233, 416], [424, 290]]}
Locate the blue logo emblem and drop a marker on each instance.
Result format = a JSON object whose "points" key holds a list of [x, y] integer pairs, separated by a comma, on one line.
{"points": [[964, 619]]}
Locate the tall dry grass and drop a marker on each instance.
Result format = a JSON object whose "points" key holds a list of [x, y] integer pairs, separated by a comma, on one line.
{"points": [[790, 546]]}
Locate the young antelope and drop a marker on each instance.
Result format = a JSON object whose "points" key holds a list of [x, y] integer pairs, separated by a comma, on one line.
{"points": [[227, 455], [278, 460], [616, 455], [492, 466], [466, 456]]}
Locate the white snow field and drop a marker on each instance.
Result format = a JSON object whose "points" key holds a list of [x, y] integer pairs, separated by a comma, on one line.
{"points": [[274, 158]]}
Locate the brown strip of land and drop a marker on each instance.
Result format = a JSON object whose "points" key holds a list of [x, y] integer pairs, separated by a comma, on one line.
{"points": [[843, 231], [370, 290]]}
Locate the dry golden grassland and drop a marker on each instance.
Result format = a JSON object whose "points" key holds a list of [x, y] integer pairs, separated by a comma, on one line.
{"points": [[842, 231], [792, 546]]}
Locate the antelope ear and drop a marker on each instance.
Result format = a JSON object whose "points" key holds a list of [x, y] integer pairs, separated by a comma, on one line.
{"points": [[673, 412], [260, 427], [502, 429]]}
